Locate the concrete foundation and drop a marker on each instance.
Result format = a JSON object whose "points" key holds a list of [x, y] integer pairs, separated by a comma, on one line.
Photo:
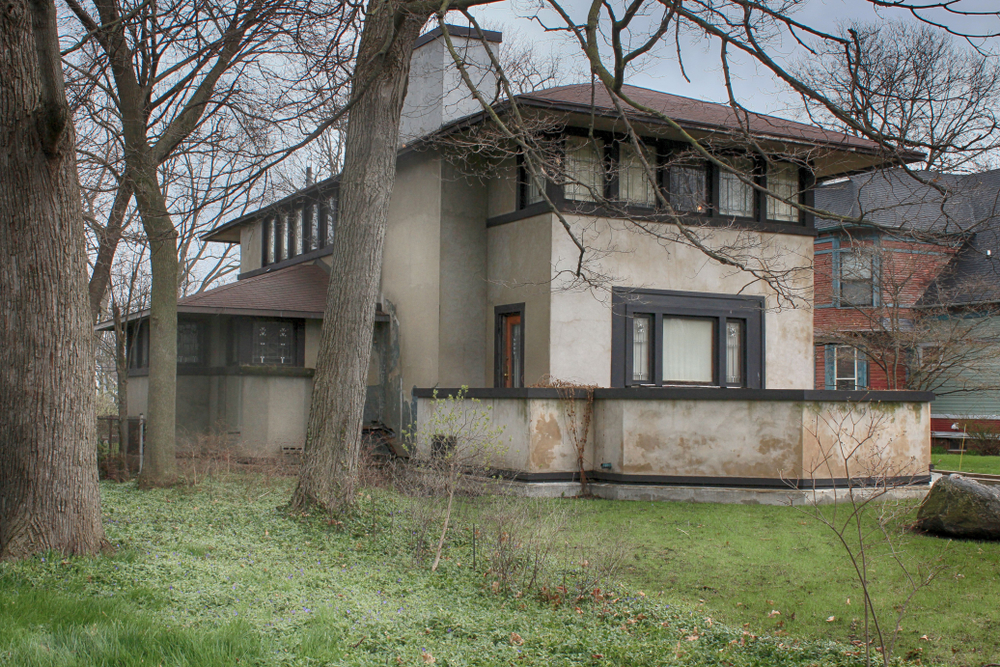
{"points": [[701, 494]]}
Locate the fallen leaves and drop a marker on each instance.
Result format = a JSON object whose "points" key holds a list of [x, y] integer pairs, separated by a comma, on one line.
{"points": [[516, 639], [774, 612], [831, 619], [428, 658]]}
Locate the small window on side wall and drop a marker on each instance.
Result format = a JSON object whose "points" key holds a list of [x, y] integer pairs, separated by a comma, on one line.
{"points": [[856, 282], [508, 365], [783, 184]]}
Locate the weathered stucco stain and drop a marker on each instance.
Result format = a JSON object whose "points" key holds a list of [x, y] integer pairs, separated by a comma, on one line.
{"points": [[546, 439]]}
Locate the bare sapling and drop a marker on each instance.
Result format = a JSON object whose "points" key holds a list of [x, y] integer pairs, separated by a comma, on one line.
{"points": [[455, 451], [855, 467]]}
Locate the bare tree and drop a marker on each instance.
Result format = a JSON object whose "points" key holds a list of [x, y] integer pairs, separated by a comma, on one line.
{"points": [[49, 497], [914, 86], [168, 68]]}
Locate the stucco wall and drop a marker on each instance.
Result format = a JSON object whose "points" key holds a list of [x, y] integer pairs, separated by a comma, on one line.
{"points": [[503, 188], [274, 413], [251, 247], [411, 266], [761, 439], [519, 270], [581, 318], [700, 438], [462, 340]]}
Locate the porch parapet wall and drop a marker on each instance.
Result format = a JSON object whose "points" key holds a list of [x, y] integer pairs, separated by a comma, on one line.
{"points": [[753, 437]]}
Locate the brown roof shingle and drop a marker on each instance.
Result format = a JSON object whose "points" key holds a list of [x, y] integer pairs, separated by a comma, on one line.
{"points": [[295, 291], [689, 113]]}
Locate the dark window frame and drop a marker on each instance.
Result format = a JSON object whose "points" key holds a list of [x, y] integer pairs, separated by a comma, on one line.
{"points": [[499, 313], [240, 343], [202, 335], [664, 151], [628, 302]]}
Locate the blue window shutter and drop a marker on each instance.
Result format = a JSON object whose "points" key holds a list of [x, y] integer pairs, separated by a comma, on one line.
{"points": [[836, 274], [829, 363], [862, 367], [876, 281]]}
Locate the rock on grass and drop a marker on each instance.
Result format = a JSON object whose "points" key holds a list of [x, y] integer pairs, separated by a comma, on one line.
{"points": [[960, 507]]}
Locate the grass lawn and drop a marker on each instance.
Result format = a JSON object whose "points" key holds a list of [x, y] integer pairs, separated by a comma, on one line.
{"points": [[987, 465], [220, 574], [741, 563]]}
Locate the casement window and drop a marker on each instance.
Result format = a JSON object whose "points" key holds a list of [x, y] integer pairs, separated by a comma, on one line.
{"points": [[846, 368], [137, 342], [190, 343], [687, 186], [737, 197], [634, 184], [784, 184], [508, 365], [856, 283], [273, 343], [299, 229], [665, 338], [260, 341], [584, 167]]}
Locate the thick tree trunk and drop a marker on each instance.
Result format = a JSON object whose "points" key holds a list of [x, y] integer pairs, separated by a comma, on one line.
{"points": [[334, 431], [48, 457], [159, 467]]}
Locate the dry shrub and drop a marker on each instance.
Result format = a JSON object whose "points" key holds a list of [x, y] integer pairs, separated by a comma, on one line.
{"points": [[984, 437], [530, 550]]}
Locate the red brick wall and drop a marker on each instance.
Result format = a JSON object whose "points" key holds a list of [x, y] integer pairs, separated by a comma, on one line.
{"points": [[907, 268]]}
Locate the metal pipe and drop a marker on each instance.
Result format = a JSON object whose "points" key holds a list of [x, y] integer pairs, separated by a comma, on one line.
{"points": [[142, 430]]}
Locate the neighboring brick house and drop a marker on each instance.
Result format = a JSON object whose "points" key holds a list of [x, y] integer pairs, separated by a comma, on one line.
{"points": [[923, 256]]}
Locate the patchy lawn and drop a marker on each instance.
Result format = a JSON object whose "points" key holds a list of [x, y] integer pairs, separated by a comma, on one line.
{"points": [[219, 574], [741, 563], [969, 462]]}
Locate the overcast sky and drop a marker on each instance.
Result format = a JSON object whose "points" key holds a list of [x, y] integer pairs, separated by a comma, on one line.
{"points": [[754, 86]]}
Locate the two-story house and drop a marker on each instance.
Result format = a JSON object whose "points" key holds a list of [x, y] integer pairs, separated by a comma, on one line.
{"points": [[704, 373], [907, 285]]}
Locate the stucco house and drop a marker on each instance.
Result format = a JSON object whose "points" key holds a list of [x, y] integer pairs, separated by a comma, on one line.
{"points": [[704, 376], [910, 295]]}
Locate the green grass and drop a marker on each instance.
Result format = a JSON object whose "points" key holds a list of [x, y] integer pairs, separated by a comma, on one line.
{"points": [[220, 574], [741, 563], [969, 462]]}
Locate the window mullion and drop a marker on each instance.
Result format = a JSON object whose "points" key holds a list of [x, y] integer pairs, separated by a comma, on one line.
{"points": [[656, 348]]}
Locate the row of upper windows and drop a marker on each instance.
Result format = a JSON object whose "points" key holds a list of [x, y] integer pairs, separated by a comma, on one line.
{"points": [[594, 169], [298, 230]]}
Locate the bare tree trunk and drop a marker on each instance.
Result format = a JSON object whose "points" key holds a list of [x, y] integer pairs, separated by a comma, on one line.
{"points": [[334, 432], [48, 457], [159, 467]]}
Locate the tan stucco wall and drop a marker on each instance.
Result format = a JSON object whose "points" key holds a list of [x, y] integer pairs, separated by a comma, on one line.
{"points": [[250, 247], [897, 435], [411, 266], [684, 438], [313, 331], [274, 411], [503, 188], [519, 271], [581, 318], [699, 438], [462, 288]]}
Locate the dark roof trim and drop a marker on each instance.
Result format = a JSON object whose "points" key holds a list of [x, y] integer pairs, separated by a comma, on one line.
{"points": [[108, 325], [298, 259], [690, 394], [458, 31]]}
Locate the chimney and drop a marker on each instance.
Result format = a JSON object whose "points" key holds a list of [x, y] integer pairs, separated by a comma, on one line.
{"points": [[436, 94]]}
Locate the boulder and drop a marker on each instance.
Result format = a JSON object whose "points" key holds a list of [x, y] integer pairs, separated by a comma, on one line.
{"points": [[957, 506]]}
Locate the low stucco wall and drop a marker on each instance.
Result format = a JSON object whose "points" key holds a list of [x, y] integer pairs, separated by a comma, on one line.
{"points": [[759, 435]]}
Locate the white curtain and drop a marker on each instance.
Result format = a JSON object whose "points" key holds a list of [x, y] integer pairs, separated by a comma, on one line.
{"points": [[687, 350]]}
